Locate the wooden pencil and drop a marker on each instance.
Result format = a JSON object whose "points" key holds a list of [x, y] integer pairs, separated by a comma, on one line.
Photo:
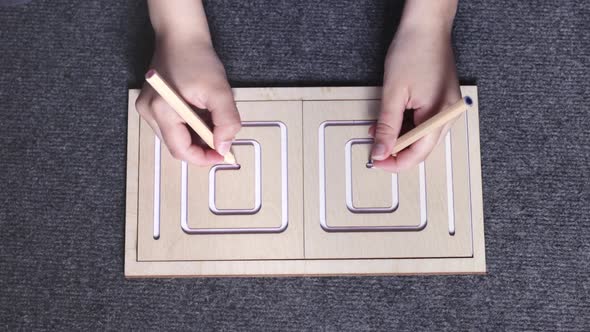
{"points": [[184, 111], [431, 124]]}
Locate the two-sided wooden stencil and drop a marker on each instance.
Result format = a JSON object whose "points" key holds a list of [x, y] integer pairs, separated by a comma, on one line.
{"points": [[303, 200]]}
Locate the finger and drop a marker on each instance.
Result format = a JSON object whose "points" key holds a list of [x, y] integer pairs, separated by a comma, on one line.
{"points": [[178, 140], [417, 152], [154, 125], [410, 156], [224, 114], [371, 131], [444, 132], [420, 149], [389, 124], [177, 137], [389, 164], [142, 107]]}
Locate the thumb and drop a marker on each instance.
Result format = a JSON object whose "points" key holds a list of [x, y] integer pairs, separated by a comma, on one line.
{"points": [[388, 125]]}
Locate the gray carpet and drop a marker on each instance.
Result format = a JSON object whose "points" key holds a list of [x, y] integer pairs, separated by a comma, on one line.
{"points": [[65, 67]]}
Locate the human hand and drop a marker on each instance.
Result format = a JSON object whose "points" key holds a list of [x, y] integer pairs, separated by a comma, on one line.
{"points": [[198, 76], [189, 63], [420, 74]]}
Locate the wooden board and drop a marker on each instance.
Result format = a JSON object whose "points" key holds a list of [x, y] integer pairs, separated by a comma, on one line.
{"points": [[193, 240], [426, 220], [422, 217]]}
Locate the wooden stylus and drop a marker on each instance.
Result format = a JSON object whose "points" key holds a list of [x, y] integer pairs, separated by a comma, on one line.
{"points": [[431, 124], [184, 111]]}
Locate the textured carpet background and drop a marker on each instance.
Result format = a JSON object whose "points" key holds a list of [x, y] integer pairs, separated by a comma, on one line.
{"points": [[64, 72]]}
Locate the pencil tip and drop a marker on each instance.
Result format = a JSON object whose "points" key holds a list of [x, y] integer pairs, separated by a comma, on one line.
{"points": [[230, 158], [468, 101], [150, 73]]}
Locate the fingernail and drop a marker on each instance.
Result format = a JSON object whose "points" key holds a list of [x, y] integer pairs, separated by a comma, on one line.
{"points": [[378, 152], [223, 147], [150, 73]]}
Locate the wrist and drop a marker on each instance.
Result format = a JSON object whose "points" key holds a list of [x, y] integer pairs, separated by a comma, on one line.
{"points": [[179, 21], [175, 36], [429, 16]]}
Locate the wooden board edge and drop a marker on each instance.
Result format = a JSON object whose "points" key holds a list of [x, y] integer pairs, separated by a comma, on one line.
{"points": [[476, 180], [308, 268], [132, 183], [308, 93]]}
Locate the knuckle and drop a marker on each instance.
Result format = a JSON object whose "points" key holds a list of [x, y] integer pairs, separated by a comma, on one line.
{"points": [[176, 152], [157, 104], [192, 90], [219, 88], [384, 129], [233, 127], [141, 105], [420, 152]]}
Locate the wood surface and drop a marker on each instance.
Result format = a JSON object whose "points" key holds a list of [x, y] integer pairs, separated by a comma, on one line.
{"points": [[371, 187], [175, 244], [432, 241], [467, 205], [375, 189]]}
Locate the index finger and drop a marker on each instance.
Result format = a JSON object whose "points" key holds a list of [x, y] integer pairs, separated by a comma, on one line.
{"points": [[411, 156], [177, 137]]}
